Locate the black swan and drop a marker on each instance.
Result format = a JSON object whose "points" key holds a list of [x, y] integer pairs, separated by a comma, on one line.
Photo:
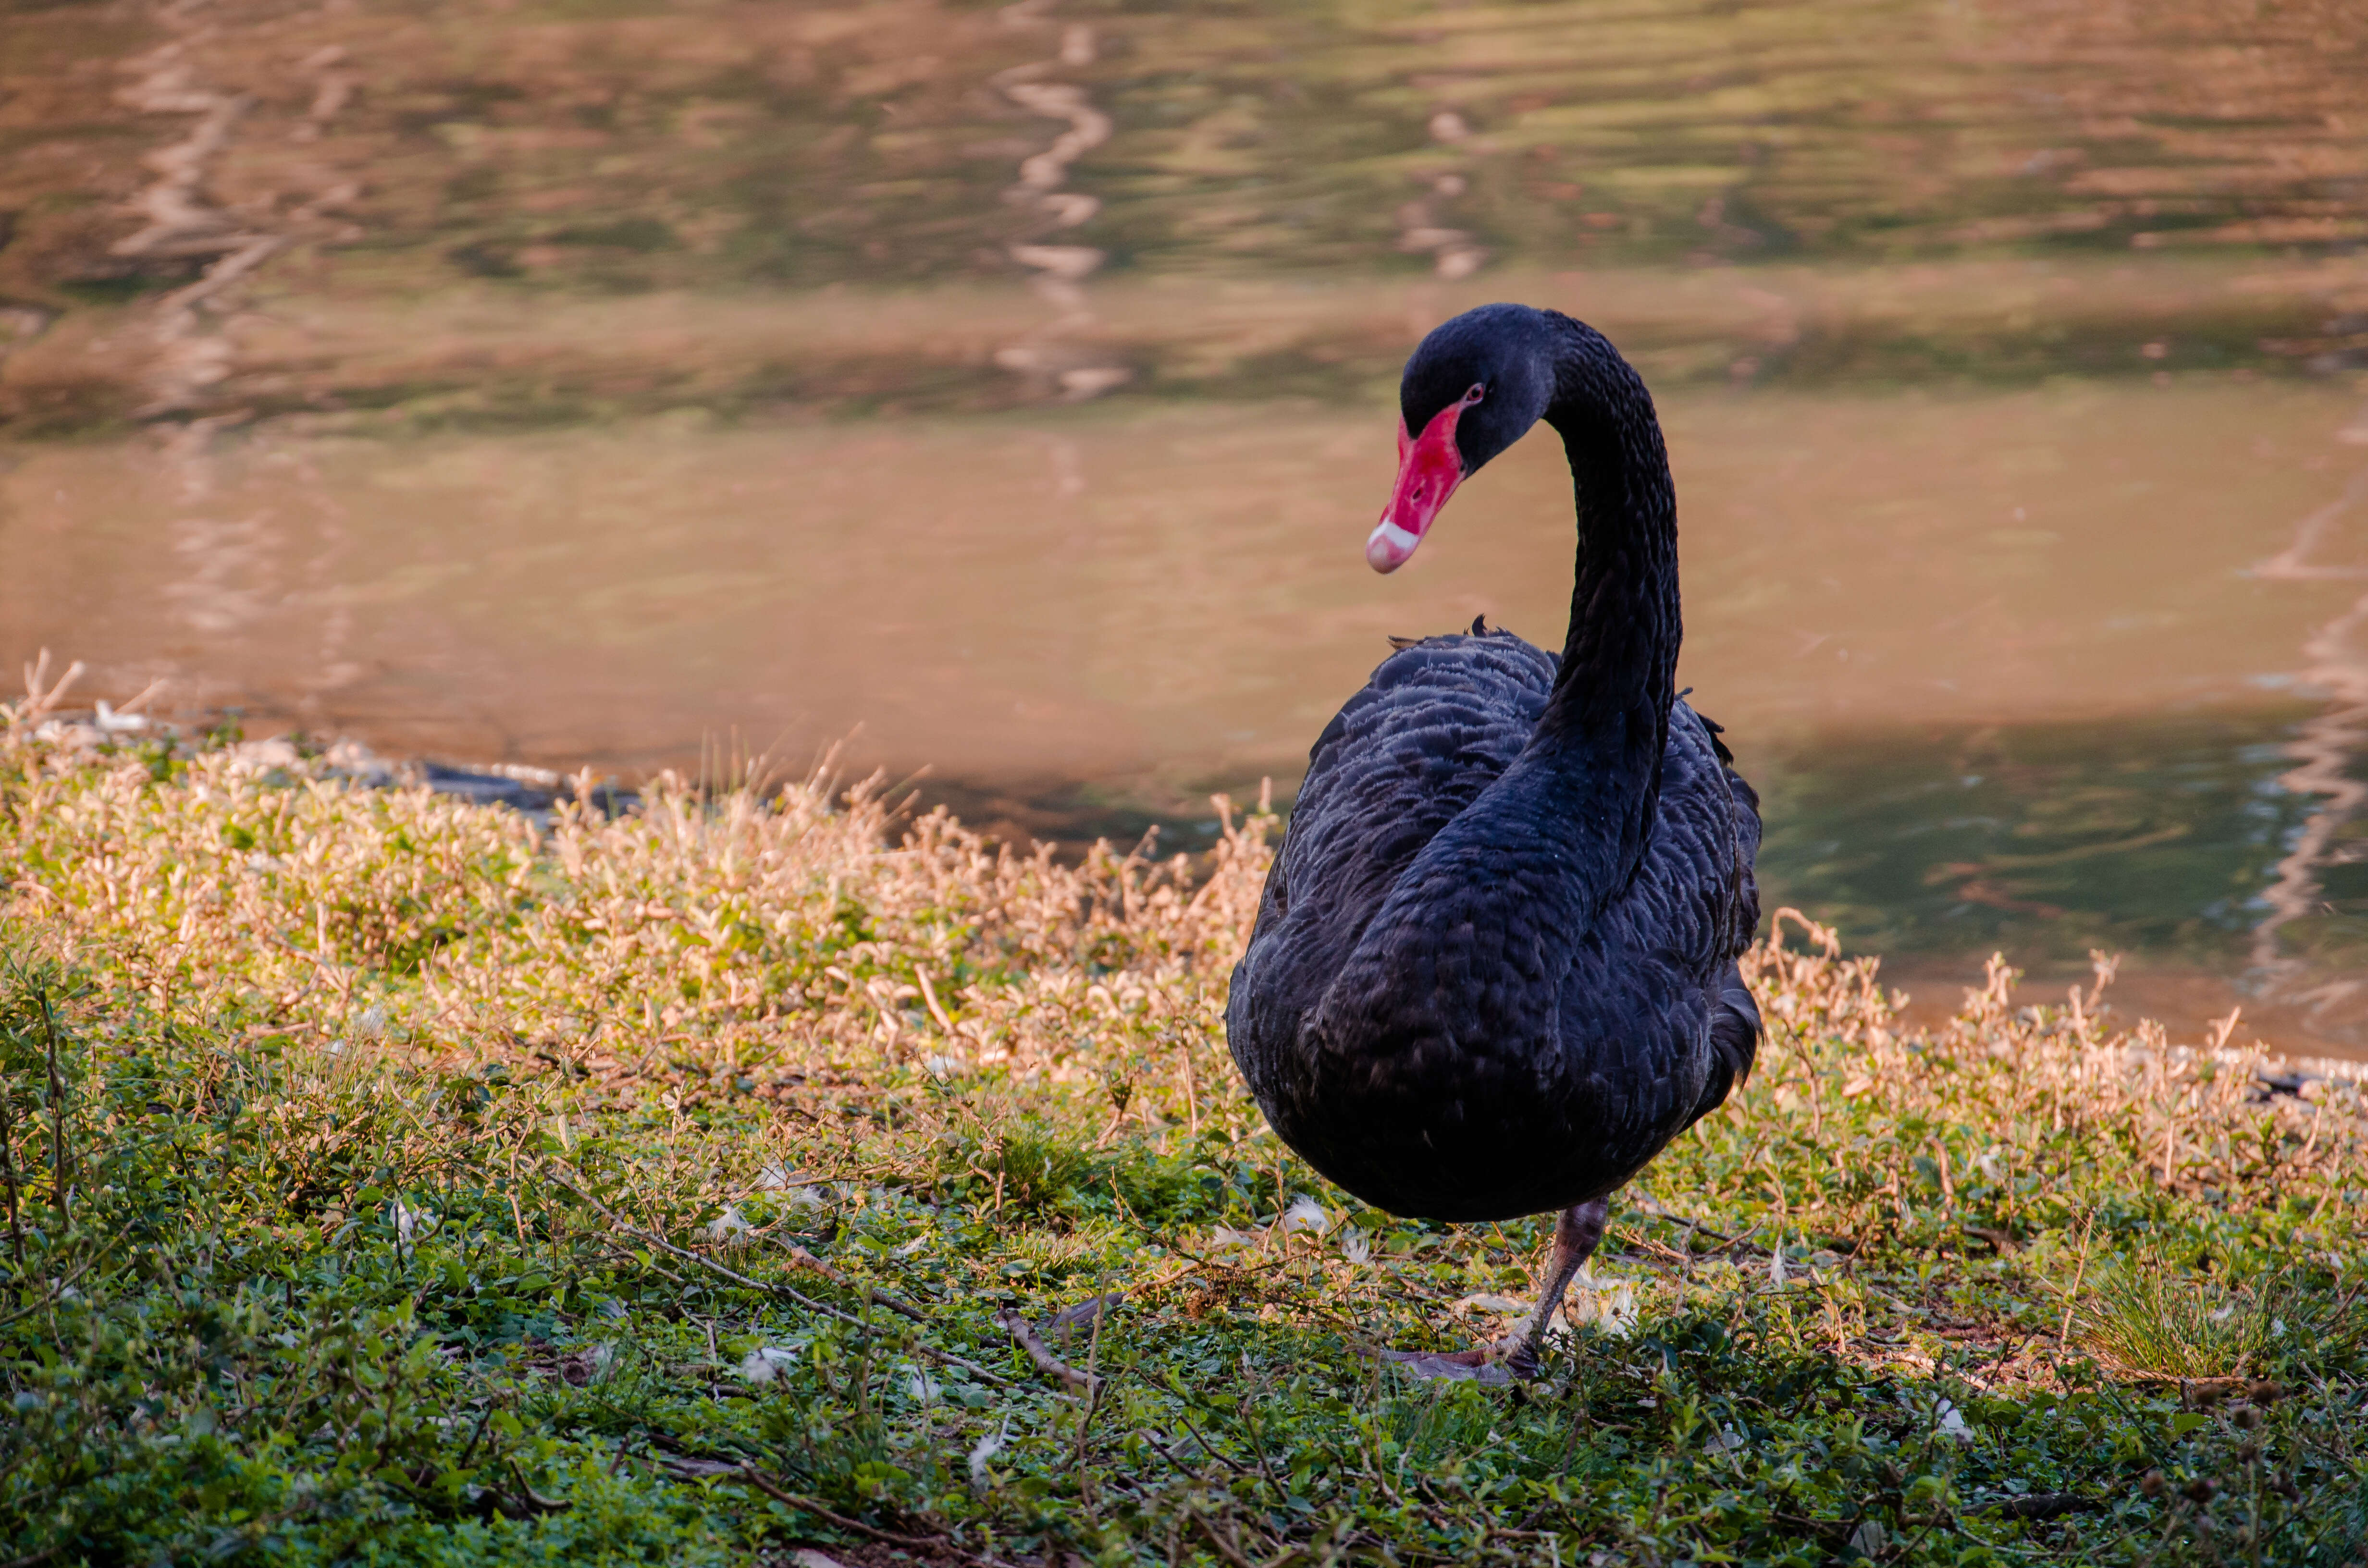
{"points": [[1494, 971]]}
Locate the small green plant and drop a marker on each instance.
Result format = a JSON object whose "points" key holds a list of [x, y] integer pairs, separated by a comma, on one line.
{"points": [[2146, 1318], [384, 1181], [1033, 1173]]}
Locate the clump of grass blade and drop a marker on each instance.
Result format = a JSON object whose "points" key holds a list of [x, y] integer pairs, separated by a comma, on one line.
{"points": [[2144, 1318], [386, 1177]]}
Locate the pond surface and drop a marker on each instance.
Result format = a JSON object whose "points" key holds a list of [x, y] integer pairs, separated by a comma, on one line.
{"points": [[1006, 392], [2080, 664]]}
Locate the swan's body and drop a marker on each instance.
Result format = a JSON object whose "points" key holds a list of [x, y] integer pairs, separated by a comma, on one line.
{"points": [[1427, 1014], [1494, 973]]}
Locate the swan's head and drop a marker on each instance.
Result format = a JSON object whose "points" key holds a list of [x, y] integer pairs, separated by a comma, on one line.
{"points": [[1473, 387]]}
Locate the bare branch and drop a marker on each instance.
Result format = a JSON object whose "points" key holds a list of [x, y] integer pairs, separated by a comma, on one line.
{"points": [[805, 1259], [1046, 1362], [948, 1357]]}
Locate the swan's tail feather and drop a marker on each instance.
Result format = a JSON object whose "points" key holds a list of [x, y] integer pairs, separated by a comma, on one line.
{"points": [[1479, 629], [1725, 756], [1735, 1034], [1737, 1030]]}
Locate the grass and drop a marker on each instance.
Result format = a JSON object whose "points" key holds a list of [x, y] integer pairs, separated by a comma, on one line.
{"points": [[2145, 1319], [391, 1179]]}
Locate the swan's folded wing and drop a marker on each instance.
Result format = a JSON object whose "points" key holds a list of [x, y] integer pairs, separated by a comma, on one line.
{"points": [[1438, 722], [1734, 1027], [1657, 1018], [1744, 928]]}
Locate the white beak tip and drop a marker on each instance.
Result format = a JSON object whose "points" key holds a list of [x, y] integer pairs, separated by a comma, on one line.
{"points": [[1389, 547]]}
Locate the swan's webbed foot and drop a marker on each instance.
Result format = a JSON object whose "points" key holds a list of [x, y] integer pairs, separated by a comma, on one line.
{"points": [[1578, 1231], [1464, 1366]]}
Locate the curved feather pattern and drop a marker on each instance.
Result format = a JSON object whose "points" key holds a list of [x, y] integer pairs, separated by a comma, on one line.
{"points": [[1570, 1108], [1494, 971]]}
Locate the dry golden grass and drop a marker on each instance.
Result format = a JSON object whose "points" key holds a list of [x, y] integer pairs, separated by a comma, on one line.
{"points": [[736, 941], [809, 942], [741, 942], [535, 1082]]}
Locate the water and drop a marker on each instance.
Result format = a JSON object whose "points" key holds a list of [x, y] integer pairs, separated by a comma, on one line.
{"points": [[2045, 706], [1006, 394]]}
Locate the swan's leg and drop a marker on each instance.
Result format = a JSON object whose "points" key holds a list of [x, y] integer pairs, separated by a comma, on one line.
{"points": [[1579, 1230]]}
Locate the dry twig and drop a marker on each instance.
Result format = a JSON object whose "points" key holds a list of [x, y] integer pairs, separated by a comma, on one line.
{"points": [[1045, 1361], [799, 1500], [947, 1357], [805, 1259]]}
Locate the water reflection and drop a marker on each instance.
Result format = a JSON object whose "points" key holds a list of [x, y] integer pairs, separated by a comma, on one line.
{"points": [[643, 144], [419, 211], [2158, 835], [1051, 359], [1008, 388], [2090, 690], [2327, 749]]}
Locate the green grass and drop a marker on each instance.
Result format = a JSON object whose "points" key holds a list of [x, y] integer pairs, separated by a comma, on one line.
{"points": [[2145, 1318], [380, 1201]]}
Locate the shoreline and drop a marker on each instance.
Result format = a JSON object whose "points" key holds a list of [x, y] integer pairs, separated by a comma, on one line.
{"points": [[2190, 1004], [749, 1184]]}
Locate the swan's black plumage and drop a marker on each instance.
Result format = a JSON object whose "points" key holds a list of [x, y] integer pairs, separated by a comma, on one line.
{"points": [[1494, 973]]}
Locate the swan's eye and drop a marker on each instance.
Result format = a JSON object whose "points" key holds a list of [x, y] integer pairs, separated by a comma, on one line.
{"points": [[1476, 391]]}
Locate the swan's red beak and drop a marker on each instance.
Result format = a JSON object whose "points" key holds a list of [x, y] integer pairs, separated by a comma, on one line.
{"points": [[1429, 468]]}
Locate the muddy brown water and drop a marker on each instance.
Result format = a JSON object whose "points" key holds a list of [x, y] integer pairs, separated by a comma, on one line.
{"points": [[1004, 392], [2080, 664]]}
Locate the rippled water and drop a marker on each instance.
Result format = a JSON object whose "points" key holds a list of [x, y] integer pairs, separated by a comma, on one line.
{"points": [[1006, 392], [2013, 668]]}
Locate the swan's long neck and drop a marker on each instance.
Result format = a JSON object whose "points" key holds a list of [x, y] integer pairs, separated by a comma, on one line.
{"points": [[1608, 720]]}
